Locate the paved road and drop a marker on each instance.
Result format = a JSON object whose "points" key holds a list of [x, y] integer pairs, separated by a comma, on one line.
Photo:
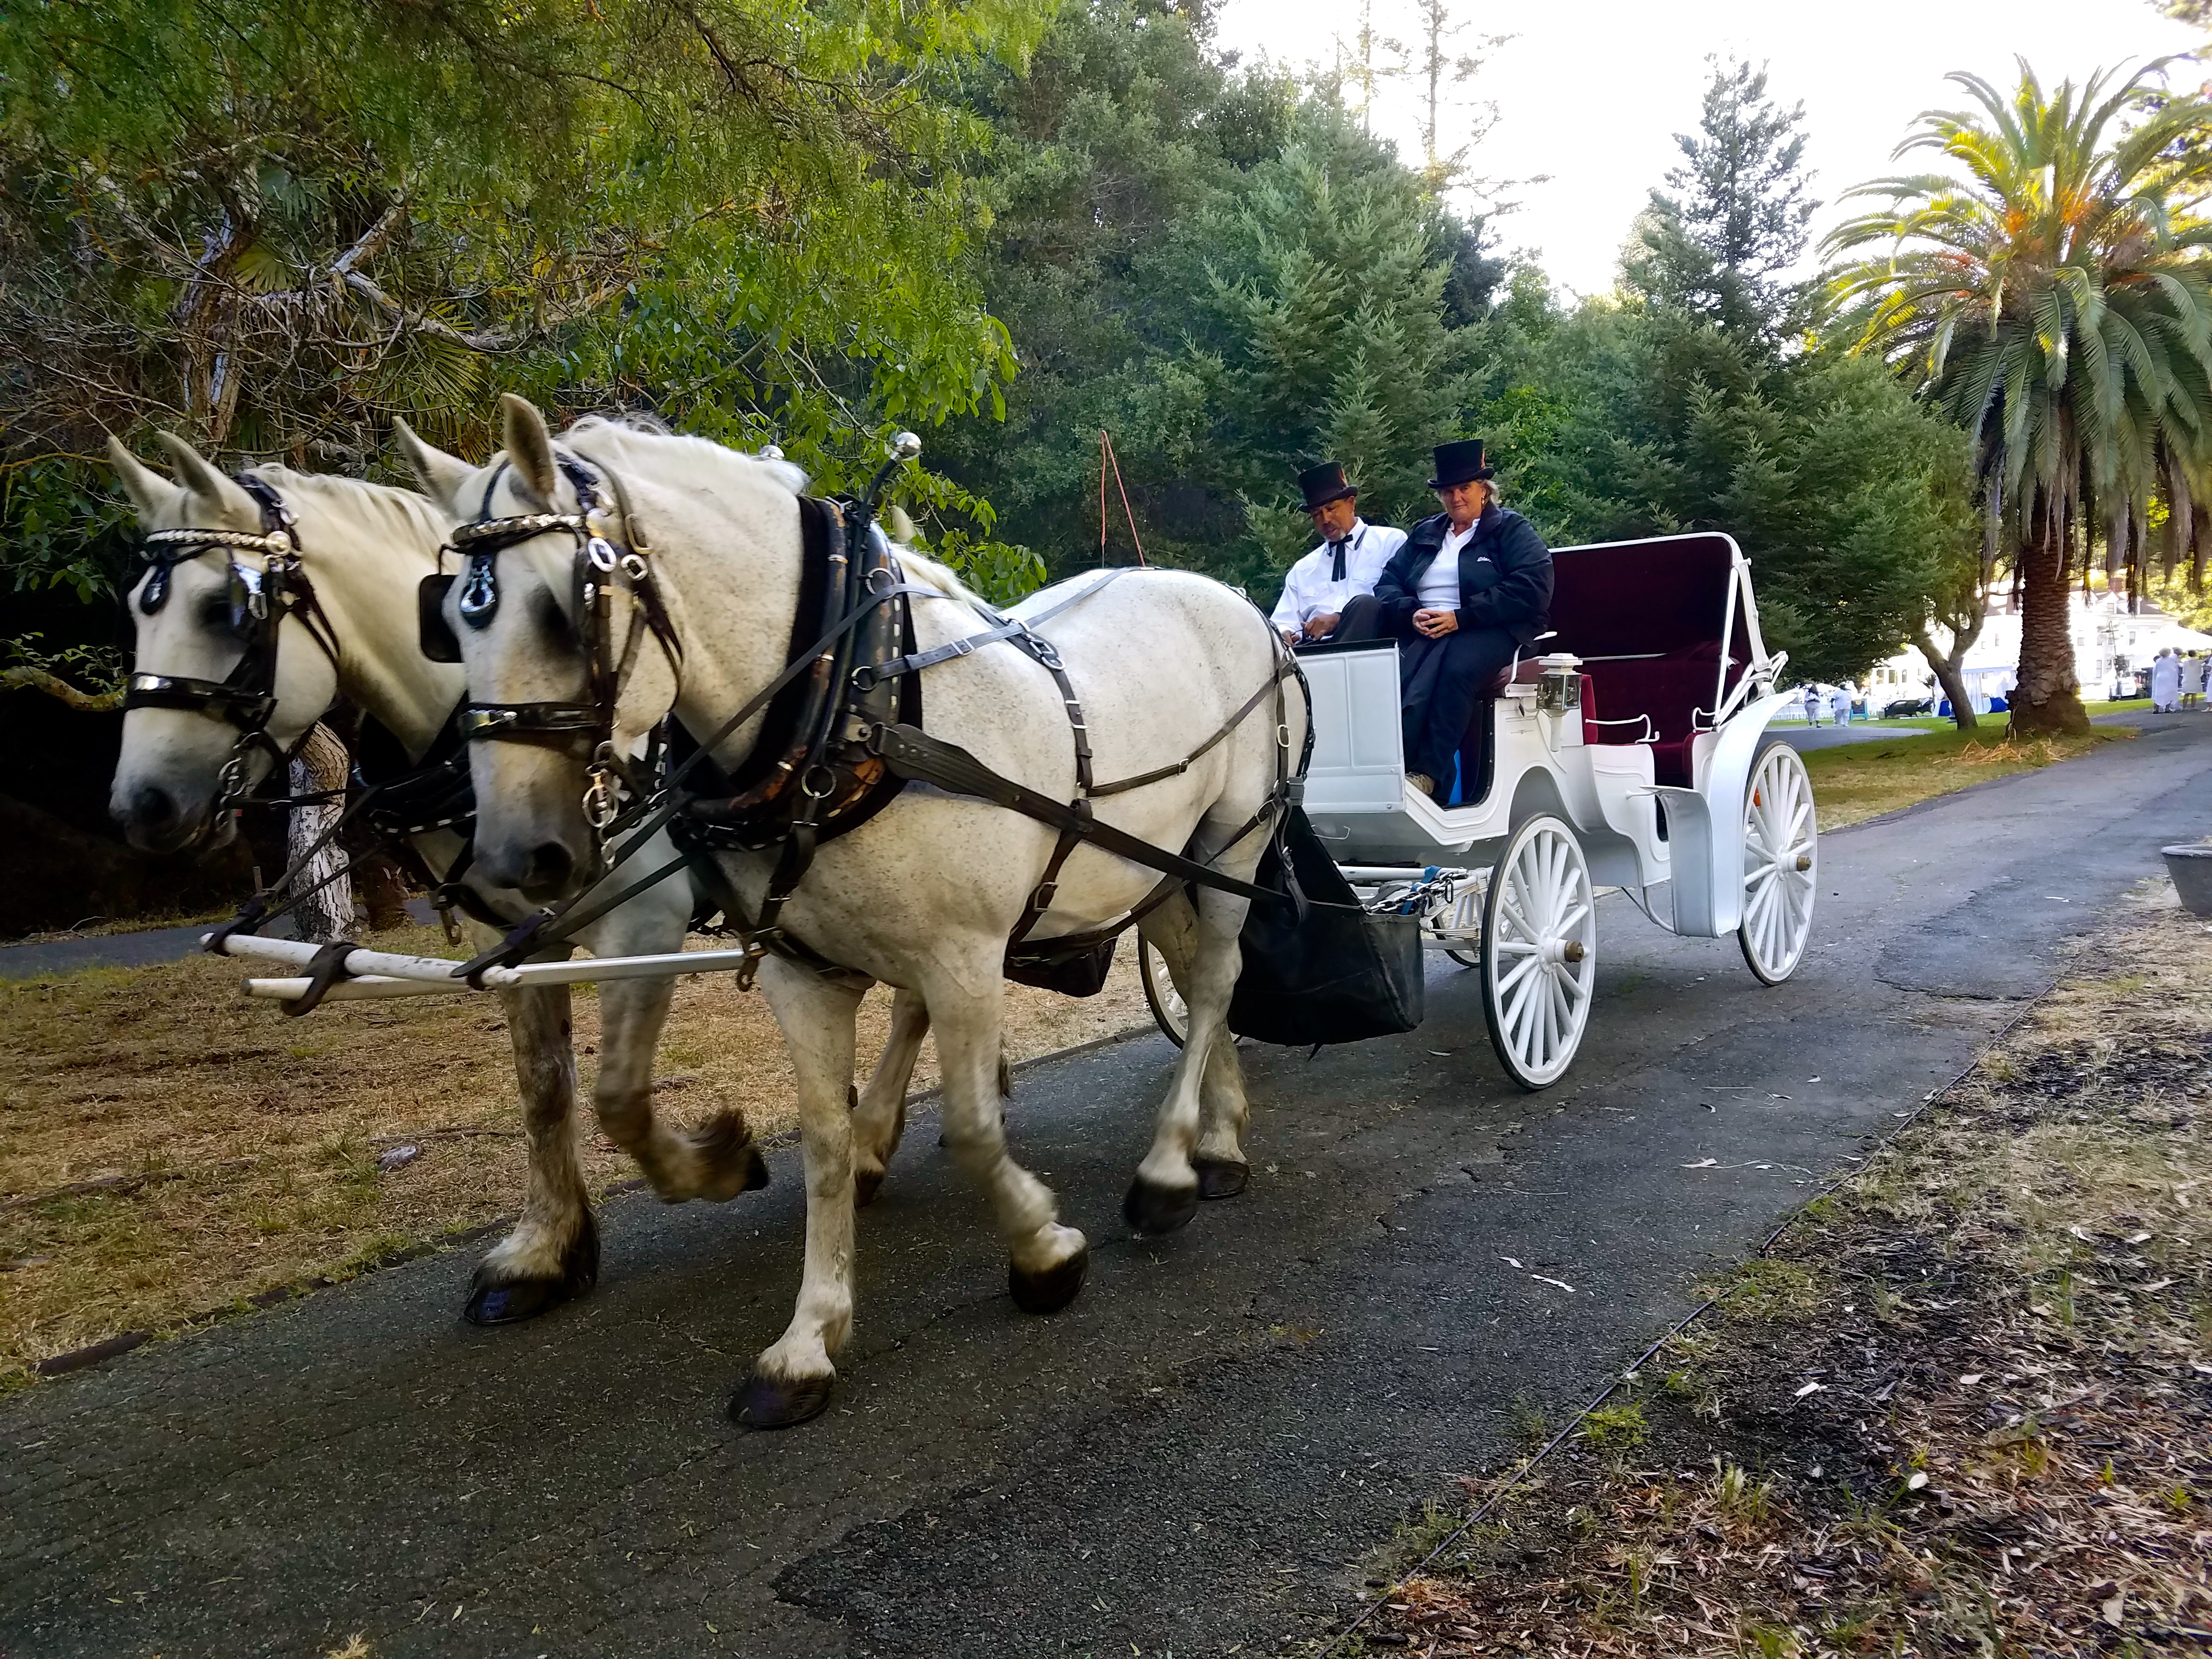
{"points": [[1192, 1456]]}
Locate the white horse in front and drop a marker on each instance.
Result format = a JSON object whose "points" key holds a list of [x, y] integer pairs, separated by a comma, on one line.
{"points": [[365, 548], [924, 895]]}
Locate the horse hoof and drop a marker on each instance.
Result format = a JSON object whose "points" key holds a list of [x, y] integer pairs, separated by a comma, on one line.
{"points": [[1051, 1289], [731, 1163], [1151, 1209], [1220, 1178], [510, 1304], [865, 1184], [765, 1403], [518, 1299]]}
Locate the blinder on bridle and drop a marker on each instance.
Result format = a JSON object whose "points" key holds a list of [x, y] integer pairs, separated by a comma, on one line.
{"points": [[256, 602], [596, 564]]}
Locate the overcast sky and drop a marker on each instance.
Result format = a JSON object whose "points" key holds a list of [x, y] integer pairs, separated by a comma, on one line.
{"points": [[1591, 91]]}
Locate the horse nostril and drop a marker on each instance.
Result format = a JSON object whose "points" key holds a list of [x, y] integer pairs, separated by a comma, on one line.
{"points": [[152, 808], [549, 865]]}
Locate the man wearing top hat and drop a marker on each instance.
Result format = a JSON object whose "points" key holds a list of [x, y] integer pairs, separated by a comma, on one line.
{"points": [[1345, 565], [1468, 589]]}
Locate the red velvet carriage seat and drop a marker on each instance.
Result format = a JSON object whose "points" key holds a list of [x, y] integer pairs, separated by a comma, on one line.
{"points": [[1649, 620]]}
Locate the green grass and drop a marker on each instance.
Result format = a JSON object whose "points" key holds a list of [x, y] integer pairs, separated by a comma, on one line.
{"points": [[1860, 780]]}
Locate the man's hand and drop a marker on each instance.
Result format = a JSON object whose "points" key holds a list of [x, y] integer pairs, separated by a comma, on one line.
{"points": [[1436, 623], [1320, 628]]}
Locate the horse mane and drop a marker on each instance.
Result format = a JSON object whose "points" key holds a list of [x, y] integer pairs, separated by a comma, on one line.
{"points": [[355, 500], [630, 428]]}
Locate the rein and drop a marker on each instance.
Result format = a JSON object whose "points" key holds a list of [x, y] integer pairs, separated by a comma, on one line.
{"points": [[259, 600]]}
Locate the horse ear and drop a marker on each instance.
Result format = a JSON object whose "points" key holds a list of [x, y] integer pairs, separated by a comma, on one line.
{"points": [[530, 447], [205, 484], [441, 474], [148, 489]]}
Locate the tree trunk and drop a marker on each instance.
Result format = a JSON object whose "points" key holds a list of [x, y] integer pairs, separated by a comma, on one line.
{"points": [[2047, 701], [1946, 664], [327, 912]]}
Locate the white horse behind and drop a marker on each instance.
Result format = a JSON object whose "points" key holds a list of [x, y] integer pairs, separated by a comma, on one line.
{"points": [[365, 548], [924, 895]]}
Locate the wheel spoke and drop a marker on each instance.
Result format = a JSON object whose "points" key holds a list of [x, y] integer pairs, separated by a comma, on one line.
{"points": [[1527, 965]]}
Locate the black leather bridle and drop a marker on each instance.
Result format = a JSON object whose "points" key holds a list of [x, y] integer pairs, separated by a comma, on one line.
{"points": [[259, 600], [597, 561]]}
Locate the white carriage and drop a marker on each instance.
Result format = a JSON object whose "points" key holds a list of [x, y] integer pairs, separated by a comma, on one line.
{"points": [[1627, 751]]}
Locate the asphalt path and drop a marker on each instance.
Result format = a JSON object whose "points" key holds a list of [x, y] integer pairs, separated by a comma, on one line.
{"points": [[1192, 1457]]}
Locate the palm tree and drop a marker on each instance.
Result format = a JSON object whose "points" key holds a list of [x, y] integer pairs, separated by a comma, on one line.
{"points": [[2051, 297]]}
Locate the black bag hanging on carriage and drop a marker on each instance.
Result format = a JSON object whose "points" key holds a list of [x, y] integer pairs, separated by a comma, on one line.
{"points": [[1333, 974]]}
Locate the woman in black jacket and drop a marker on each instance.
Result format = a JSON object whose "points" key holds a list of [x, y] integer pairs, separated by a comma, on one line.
{"points": [[1468, 589]]}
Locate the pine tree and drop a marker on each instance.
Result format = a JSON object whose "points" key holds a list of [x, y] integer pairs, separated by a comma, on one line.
{"points": [[1721, 247]]}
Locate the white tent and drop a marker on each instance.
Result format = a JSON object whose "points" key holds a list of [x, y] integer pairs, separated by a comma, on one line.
{"points": [[2174, 637]]}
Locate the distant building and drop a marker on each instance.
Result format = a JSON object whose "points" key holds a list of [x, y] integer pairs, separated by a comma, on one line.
{"points": [[2110, 642]]}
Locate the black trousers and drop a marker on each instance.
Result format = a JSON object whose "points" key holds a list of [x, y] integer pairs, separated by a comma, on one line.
{"points": [[1440, 682]]}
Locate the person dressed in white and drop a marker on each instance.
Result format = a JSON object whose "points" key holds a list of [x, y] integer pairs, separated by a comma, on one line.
{"points": [[2166, 682], [2193, 681], [1840, 704], [1346, 564]]}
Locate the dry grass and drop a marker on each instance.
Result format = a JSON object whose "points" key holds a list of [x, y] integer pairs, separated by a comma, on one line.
{"points": [[1963, 1409], [1856, 781], [239, 1147]]}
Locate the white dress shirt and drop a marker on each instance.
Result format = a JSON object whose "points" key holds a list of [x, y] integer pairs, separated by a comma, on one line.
{"points": [[1310, 590], [1438, 588]]}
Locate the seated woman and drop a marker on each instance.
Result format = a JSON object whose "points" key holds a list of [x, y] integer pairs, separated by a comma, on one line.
{"points": [[1468, 589]]}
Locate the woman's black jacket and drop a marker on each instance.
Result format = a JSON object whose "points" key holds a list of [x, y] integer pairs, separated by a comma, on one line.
{"points": [[1504, 574]]}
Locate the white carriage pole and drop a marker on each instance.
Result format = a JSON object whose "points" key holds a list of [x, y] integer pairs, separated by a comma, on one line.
{"points": [[383, 974], [325, 914]]}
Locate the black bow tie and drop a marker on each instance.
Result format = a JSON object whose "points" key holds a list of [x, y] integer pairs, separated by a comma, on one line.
{"points": [[1336, 571]]}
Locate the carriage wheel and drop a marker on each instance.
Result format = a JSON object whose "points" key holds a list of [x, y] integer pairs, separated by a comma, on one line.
{"points": [[1467, 922], [1169, 1013], [1538, 952], [1781, 864]]}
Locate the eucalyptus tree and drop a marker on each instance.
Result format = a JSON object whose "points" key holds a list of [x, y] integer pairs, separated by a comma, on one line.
{"points": [[269, 228], [2049, 293]]}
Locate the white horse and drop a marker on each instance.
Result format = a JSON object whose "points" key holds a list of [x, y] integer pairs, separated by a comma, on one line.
{"points": [[364, 548], [924, 895]]}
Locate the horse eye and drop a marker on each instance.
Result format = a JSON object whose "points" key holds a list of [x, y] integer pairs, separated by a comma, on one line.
{"points": [[216, 616]]}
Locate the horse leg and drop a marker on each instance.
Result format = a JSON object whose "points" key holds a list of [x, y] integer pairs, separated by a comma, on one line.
{"points": [[791, 1379], [553, 1254], [716, 1161], [1223, 1108], [1165, 1194], [1045, 1260], [879, 1111]]}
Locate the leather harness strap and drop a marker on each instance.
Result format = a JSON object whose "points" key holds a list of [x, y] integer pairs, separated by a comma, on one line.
{"points": [[260, 600]]}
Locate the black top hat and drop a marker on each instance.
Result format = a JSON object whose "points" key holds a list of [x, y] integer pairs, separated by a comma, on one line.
{"points": [[1323, 484], [1460, 463]]}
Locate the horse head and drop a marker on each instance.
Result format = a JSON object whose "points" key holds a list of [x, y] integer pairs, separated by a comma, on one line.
{"points": [[570, 660], [265, 598]]}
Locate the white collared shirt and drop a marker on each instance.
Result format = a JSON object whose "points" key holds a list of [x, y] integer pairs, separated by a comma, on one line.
{"points": [[1438, 588], [1310, 592]]}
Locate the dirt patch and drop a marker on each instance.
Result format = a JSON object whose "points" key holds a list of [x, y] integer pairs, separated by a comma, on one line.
{"points": [[168, 1146], [1853, 782], [1961, 1406]]}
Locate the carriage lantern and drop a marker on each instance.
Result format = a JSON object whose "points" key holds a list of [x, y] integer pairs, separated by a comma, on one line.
{"points": [[1559, 688]]}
